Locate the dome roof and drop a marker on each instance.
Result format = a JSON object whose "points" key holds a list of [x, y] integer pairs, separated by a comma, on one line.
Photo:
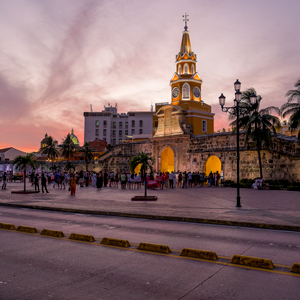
{"points": [[74, 138]]}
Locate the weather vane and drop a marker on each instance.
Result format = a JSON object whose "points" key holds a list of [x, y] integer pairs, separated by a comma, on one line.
{"points": [[185, 20]]}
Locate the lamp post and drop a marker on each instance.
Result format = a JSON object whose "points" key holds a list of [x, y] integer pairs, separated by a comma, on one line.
{"points": [[235, 110]]}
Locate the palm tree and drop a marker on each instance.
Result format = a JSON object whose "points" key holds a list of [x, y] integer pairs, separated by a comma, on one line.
{"points": [[69, 166], [87, 153], [67, 148], [292, 108], [259, 125], [21, 162], [49, 148], [146, 162]]}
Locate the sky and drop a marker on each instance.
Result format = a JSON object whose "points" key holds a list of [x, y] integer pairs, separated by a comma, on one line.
{"points": [[58, 57]]}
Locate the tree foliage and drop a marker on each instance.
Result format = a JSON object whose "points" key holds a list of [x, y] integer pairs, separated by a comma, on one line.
{"points": [[67, 148]]}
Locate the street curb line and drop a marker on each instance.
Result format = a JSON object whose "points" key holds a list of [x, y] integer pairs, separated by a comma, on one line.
{"points": [[115, 242], [27, 229], [163, 218], [7, 226], [54, 233], [295, 268], [252, 261], [82, 237], [210, 255], [154, 247]]}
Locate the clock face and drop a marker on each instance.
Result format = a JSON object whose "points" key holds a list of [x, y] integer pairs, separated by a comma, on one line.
{"points": [[196, 92], [175, 92]]}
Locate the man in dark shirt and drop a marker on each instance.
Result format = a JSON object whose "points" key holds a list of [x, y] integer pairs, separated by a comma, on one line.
{"points": [[36, 182], [44, 183]]}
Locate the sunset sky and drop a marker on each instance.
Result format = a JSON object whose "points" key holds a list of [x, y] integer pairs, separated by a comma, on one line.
{"points": [[57, 57]]}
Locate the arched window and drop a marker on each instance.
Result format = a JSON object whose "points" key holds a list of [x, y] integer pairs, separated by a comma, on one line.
{"points": [[186, 91], [179, 69], [186, 69], [97, 123], [193, 69], [204, 126]]}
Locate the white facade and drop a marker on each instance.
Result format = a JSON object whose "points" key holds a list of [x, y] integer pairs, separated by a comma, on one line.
{"points": [[9, 154], [113, 128]]}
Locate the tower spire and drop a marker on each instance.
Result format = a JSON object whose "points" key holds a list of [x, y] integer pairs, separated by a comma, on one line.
{"points": [[185, 20]]}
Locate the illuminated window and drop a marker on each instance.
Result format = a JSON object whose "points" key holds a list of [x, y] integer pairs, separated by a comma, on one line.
{"points": [[193, 69], [97, 123], [186, 69], [114, 124], [126, 132], [186, 91], [120, 132], [126, 125], [204, 126], [179, 69], [114, 133]]}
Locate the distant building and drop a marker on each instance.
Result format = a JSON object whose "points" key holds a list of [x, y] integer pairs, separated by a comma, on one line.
{"points": [[8, 154], [286, 131], [114, 128]]}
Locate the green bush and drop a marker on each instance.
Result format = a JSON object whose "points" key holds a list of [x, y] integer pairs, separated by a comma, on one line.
{"points": [[293, 188], [275, 187]]}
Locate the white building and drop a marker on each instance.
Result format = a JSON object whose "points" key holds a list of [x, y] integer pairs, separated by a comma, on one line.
{"points": [[113, 128], [8, 154]]}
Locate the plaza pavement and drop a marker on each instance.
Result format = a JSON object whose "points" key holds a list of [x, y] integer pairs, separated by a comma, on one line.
{"points": [[216, 205]]}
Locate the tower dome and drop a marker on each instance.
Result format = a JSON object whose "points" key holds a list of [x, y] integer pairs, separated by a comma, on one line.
{"points": [[74, 138]]}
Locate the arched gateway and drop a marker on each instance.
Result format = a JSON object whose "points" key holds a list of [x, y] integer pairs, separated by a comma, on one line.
{"points": [[167, 160], [213, 164]]}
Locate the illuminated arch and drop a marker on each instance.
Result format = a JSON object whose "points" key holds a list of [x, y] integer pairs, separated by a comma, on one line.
{"points": [[186, 69], [167, 160], [193, 69], [212, 164], [179, 69]]}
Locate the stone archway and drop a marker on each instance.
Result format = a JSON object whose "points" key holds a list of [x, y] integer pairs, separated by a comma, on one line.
{"points": [[212, 164], [167, 160]]}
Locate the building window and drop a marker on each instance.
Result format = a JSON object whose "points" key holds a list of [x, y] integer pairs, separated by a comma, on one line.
{"points": [[204, 126], [132, 131], [120, 125], [97, 123], [104, 132], [186, 91], [132, 123], [120, 141], [186, 69], [104, 139], [114, 142], [97, 132], [126, 132], [104, 123], [193, 69], [141, 123], [114, 133], [141, 131], [114, 124], [126, 125], [179, 69], [120, 132]]}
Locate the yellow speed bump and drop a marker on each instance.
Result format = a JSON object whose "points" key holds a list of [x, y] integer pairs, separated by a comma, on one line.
{"points": [[7, 226], [295, 268], [27, 229], [154, 247], [82, 237], [115, 242], [50, 232], [252, 261], [199, 254]]}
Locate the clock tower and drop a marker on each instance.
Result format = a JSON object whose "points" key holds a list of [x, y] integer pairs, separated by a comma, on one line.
{"points": [[186, 87]]}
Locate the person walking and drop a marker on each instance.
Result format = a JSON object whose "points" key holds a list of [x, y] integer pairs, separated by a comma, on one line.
{"points": [[36, 182], [171, 180], [4, 177], [73, 185], [99, 181], [105, 178], [44, 183]]}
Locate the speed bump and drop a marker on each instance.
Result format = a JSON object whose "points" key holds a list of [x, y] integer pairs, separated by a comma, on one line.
{"points": [[82, 237], [252, 261], [154, 247], [27, 229], [115, 242], [54, 233], [7, 226], [199, 254], [295, 268]]}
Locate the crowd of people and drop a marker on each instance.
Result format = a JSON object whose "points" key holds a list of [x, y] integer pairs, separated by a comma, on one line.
{"points": [[126, 180]]}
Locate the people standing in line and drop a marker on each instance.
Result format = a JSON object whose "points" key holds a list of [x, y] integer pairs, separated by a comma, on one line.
{"points": [[99, 181], [180, 180], [94, 179], [87, 179], [123, 180], [171, 180], [44, 183], [36, 182], [105, 178], [117, 179], [185, 179], [4, 178]]}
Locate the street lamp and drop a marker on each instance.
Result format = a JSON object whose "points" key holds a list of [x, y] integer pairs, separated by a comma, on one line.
{"points": [[236, 110]]}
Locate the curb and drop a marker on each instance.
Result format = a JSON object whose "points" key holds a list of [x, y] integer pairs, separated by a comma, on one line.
{"points": [[162, 218]]}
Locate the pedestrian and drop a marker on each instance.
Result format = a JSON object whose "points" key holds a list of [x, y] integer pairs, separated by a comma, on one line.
{"points": [[4, 181], [171, 180], [32, 178], [99, 181], [73, 185], [36, 182], [105, 178], [44, 183], [123, 180]]}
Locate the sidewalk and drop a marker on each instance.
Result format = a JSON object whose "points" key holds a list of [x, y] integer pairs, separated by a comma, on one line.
{"points": [[206, 205]]}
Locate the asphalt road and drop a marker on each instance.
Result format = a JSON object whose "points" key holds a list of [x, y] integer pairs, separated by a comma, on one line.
{"points": [[37, 267]]}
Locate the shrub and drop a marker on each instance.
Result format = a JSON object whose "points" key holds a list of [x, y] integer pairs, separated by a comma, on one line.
{"points": [[293, 188]]}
